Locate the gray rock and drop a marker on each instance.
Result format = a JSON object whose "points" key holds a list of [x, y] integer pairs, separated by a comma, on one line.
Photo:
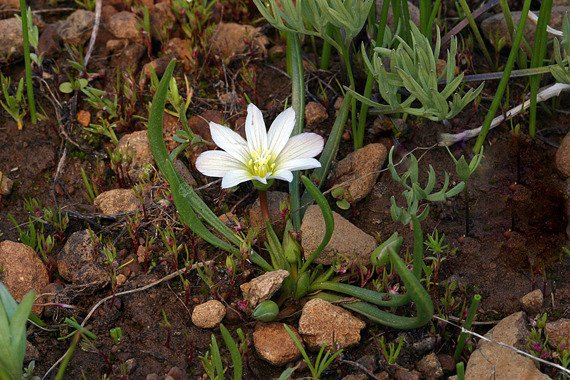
{"points": [[563, 156], [209, 314], [263, 287], [136, 149], [76, 29], [347, 242], [79, 262], [558, 333], [430, 367], [315, 113], [11, 42], [117, 201], [21, 270], [323, 323], [495, 27], [357, 173], [273, 343], [503, 363], [125, 25], [5, 184], [532, 302]]}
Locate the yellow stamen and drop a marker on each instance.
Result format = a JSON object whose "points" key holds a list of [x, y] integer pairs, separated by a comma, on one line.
{"points": [[261, 163]]}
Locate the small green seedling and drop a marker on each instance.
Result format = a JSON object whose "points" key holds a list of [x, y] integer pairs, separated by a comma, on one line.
{"points": [[339, 193], [73, 85], [323, 360], [392, 351], [116, 334], [13, 104]]}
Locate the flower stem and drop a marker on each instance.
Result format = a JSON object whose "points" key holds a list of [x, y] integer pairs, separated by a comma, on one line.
{"points": [[263, 205]]}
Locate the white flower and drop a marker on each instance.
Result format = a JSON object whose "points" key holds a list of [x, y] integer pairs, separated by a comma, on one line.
{"points": [[265, 155]]}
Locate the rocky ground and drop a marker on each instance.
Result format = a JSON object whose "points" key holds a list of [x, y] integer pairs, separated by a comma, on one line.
{"points": [[516, 255]]}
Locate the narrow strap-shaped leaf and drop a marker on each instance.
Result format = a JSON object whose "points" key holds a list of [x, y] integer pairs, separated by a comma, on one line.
{"points": [[181, 192], [234, 352]]}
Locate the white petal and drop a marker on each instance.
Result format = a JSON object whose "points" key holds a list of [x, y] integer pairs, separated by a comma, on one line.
{"points": [[284, 175], [235, 177], [216, 163], [305, 145], [298, 164], [280, 130], [255, 129], [229, 141]]}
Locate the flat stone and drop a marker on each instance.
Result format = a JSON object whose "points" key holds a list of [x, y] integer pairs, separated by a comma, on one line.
{"points": [[79, 263], [503, 363], [347, 242], [263, 287], [323, 323], [357, 173], [273, 343], [117, 201], [532, 302], [21, 270], [209, 314]]}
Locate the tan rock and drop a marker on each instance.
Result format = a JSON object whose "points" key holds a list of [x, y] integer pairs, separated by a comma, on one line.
{"points": [[5, 184], [230, 40], [430, 367], [11, 41], [209, 314], [323, 323], [125, 25], [263, 287], [347, 242], [532, 302], [136, 150], [558, 333], [273, 343], [117, 201], [315, 113], [503, 363], [357, 173], [21, 270]]}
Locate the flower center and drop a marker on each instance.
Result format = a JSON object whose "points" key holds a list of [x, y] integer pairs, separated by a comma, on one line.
{"points": [[261, 163]]}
